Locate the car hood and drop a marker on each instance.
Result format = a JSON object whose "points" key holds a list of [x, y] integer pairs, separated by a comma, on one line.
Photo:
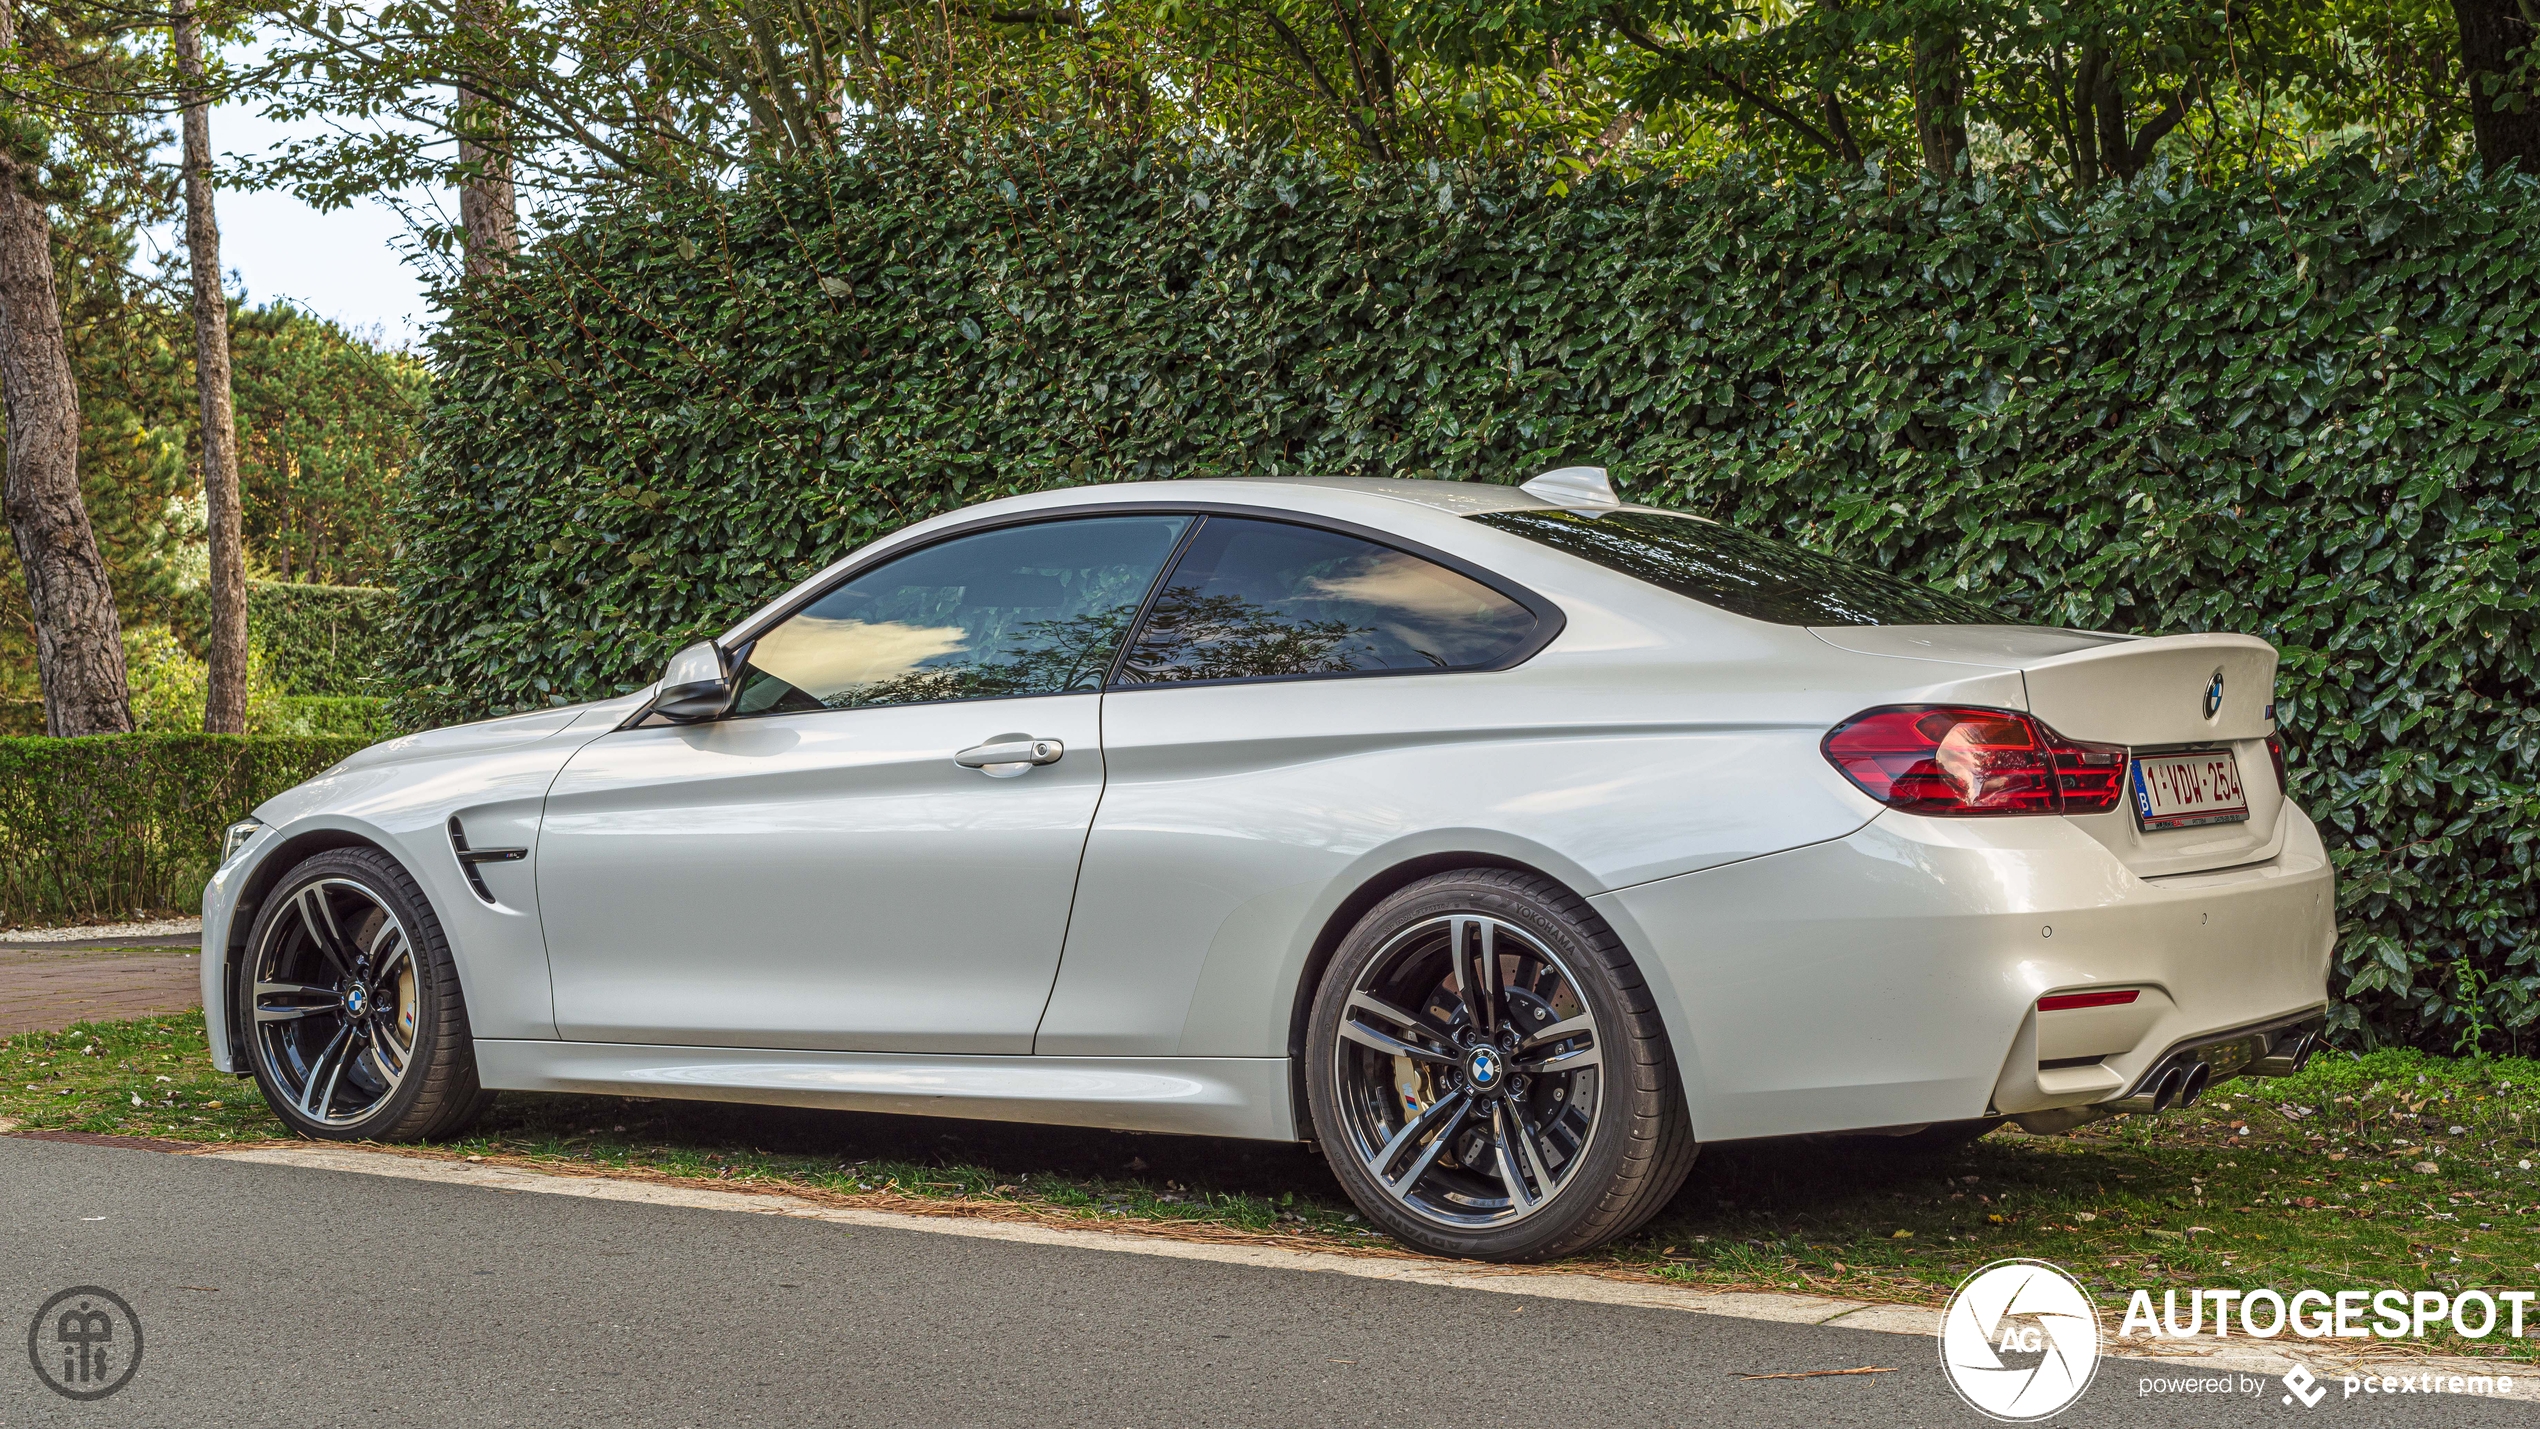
{"points": [[508, 732]]}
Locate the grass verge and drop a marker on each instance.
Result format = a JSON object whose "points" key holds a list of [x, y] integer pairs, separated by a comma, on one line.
{"points": [[2394, 1170]]}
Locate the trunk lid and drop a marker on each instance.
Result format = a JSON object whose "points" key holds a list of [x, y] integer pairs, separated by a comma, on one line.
{"points": [[2149, 694]]}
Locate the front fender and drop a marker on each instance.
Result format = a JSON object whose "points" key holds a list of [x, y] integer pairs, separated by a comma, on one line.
{"points": [[401, 803]]}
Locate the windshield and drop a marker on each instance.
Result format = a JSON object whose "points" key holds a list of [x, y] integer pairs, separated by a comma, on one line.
{"points": [[1739, 571]]}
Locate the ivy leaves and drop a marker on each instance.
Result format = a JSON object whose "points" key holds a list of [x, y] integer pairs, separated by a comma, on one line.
{"points": [[2300, 407]]}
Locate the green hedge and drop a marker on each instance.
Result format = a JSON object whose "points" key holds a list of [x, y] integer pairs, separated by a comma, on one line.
{"points": [[2300, 407], [102, 826], [323, 639], [362, 715]]}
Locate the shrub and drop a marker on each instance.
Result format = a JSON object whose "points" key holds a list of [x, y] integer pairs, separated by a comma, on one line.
{"points": [[98, 827], [322, 639], [169, 686], [363, 715], [2300, 407]]}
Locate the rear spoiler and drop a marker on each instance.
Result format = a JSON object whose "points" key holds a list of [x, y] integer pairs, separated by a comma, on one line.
{"points": [[2170, 689]]}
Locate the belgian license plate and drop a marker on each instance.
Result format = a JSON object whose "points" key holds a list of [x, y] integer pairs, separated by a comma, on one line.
{"points": [[2181, 791]]}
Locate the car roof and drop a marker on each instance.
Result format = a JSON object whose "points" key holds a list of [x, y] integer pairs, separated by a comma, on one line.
{"points": [[1331, 496], [1456, 498]]}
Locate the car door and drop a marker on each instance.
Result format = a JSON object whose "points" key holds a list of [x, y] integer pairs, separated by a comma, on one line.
{"points": [[1296, 696], [876, 850]]}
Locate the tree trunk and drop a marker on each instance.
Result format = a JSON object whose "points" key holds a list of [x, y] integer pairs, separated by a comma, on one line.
{"points": [[1940, 101], [2085, 117], [225, 701], [2107, 102], [2491, 32], [489, 211], [78, 639]]}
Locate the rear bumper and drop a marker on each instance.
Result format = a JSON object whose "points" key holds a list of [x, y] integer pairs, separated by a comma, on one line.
{"points": [[1891, 977]]}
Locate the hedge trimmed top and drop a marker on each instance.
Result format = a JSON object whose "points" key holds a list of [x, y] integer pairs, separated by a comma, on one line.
{"points": [[2300, 407]]}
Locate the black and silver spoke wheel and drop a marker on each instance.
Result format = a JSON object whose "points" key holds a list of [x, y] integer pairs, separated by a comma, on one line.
{"points": [[335, 1007], [352, 1019], [1486, 1075], [1467, 1071]]}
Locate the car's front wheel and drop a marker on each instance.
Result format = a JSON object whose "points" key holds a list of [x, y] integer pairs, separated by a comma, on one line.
{"points": [[1487, 1073], [355, 1027]]}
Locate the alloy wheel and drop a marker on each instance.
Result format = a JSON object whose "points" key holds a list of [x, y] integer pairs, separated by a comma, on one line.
{"points": [[1469, 1070], [335, 1002]]}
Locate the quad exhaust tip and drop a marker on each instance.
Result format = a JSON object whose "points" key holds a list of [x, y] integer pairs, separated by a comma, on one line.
{"points": [[2291, 1057], [2177, 1086], [2194, 1084], [2187, 1074], [2165, 1092]]}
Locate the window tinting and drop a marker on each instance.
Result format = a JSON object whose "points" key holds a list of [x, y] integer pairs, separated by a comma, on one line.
{"points": [[1739, 571], [1258, 599], [1028, 610]]}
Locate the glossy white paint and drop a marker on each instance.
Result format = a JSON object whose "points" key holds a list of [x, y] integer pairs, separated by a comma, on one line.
{"points": [[824, 909], [829, 880], [400, 795], [1883, 979], [1225, 1096]]}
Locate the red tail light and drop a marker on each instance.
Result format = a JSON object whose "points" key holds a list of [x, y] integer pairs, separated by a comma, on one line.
{"points": [[1948, 759], [2275, 755]]}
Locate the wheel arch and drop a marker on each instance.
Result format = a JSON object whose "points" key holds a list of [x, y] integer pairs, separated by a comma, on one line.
{"points": [[269, 869], [1369, 891]]}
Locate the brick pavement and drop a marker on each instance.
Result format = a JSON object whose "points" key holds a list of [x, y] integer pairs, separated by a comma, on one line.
{"points": [[47, 988]]}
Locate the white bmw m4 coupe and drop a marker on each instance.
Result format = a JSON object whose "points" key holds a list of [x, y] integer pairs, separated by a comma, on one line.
{"points": [[1508, 843]]}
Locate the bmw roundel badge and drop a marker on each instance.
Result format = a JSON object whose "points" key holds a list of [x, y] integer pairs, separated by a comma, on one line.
{"points": [[2213, 695]]}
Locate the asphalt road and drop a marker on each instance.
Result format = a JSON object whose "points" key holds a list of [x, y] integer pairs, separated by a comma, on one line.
{"points": [[286, 1295]]}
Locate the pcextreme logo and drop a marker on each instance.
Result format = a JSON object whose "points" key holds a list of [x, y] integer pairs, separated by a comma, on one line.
{"points": [[2020, 1340]]}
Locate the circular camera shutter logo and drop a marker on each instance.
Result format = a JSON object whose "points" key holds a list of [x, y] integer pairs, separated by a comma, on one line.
{"points": [[2020, 1340]]}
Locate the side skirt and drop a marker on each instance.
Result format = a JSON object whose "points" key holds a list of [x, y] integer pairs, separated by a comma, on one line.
{"points": [[1199, 1096]]}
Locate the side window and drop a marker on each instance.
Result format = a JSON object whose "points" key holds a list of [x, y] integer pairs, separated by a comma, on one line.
{"points": [[1028, 610], [1262, 599]]}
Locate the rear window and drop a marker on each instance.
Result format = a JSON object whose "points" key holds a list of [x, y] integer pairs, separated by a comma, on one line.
{"points": [[1258, 600], [1739, 571]]}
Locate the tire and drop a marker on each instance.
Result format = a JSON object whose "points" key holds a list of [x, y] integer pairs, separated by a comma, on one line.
{"points": [[355, 1026], [1395, 1052]]}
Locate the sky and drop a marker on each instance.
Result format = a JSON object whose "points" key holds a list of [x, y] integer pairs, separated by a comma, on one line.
{"points": [[348, 265]]}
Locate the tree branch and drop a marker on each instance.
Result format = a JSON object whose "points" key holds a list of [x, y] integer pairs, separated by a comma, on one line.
{"points": [[1713, 74]]}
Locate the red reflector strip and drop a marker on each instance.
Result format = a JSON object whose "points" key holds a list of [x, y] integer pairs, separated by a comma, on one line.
{"points": [[2066, 1001]]}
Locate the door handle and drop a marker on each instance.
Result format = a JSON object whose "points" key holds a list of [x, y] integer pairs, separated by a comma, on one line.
{"points": [[1010, 754]]}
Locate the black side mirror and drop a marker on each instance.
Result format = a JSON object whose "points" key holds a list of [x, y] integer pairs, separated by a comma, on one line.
{"points": [[699, 684]]}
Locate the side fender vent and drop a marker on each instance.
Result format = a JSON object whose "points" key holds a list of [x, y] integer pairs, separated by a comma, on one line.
{"points": [[469, 858]]}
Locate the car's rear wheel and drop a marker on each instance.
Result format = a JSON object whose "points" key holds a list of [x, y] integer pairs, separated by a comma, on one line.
{"points": [[1488, 1074], [355, 1027]]}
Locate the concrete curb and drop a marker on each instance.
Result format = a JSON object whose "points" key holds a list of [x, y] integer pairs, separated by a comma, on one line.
{"points": [[2214, 1356]]}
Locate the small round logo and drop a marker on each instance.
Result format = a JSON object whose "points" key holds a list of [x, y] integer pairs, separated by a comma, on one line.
{"points": [[2213, 695], [85, 1343], [1482, 1068], [357, 999], [2020, 1340]]}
